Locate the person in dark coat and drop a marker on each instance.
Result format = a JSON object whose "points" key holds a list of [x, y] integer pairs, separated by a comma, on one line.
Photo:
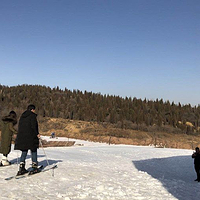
{"points": [[196, 156], [28, 138], [7, 130]]}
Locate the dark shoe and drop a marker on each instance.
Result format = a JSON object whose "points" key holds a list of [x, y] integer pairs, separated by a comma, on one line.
{"points": [[22, 169], [34, 169], [34, 165]]}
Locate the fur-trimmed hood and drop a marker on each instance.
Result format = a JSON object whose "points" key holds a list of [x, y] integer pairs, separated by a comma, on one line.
{"points": [[9, 119]]}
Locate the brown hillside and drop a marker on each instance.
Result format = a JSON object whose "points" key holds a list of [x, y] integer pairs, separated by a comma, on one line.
{"points": [[106, 132]]}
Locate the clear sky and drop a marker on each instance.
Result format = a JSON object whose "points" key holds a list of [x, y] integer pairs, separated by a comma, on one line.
{"points": [[135, 48]]}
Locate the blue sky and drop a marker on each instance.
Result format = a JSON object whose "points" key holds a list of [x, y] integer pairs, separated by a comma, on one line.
{"points": [[135, 48]]}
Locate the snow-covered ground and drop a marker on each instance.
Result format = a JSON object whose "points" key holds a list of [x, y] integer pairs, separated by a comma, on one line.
{"points": [[97, 171]]}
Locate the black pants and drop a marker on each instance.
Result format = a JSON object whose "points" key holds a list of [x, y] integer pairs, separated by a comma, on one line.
{"points": [[197, 169]]}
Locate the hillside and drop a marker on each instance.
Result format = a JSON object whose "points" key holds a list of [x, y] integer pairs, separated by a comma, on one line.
{"points": [[106, 118], [108, 133], [125, 113]]}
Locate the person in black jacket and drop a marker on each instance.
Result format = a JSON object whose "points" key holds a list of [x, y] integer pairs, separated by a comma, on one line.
{"points": [[196, 156], [27, 138]]}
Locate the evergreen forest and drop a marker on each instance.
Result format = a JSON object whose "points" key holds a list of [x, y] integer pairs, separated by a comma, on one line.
{"points": [[124, 113]]}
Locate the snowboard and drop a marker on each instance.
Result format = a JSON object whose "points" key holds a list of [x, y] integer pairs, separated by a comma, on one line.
{"points": [[40, 169], [35, 171]]}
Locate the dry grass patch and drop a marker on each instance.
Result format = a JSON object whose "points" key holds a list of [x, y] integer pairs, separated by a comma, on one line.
{"points": [[105, 132]]}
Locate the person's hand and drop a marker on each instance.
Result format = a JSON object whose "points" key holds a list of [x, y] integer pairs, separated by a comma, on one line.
{"points": [[14, 137], [38, 136]]}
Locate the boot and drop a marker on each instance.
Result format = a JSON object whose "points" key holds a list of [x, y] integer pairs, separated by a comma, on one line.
{"points": [[34, 165], [22, 169], [34, 168], [5, 161]]}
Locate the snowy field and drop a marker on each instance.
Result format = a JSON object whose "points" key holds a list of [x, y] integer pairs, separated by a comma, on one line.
{"points": [[96, 171]]}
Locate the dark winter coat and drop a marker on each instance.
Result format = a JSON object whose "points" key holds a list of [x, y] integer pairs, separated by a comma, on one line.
{"points": [[196, 157], [7, 131], [27, 132]]}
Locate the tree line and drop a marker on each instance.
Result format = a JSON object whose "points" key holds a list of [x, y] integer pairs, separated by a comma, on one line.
{"points": [[125, 113]]}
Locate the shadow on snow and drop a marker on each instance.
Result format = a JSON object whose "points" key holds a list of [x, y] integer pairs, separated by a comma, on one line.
{"points": [[175, 173], [43, 162]]}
